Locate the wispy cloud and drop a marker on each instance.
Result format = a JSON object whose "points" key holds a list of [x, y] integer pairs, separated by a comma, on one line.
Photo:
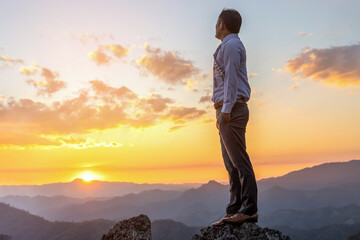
{"points": [[85, 37], [11, 61], [305, 34], [204, 99], [181, 114], [50, 83], [253, 75]]}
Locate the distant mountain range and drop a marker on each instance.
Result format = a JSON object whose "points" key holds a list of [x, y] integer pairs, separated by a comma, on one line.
{"points": [[16, 224], [314, 218], [288, 202], [200, 206], [328, 232], [326, 175], [79, 188], [21, 225]]}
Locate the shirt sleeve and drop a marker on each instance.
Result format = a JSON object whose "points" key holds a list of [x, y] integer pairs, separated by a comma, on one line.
{"points": [[232, 68]]}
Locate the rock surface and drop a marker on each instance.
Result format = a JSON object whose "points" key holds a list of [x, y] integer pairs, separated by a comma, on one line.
{"points": [[136, 228], [139, 228], [244, 231]]}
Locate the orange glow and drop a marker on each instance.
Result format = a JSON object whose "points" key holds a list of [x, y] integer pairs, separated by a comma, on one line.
{"points": [[88, 176]]}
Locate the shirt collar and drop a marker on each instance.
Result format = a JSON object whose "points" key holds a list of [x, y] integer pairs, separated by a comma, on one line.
{"points": [[229, 36]]}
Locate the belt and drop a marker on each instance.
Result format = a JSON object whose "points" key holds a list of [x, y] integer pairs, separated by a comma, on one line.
{"points": [[219, 104]]}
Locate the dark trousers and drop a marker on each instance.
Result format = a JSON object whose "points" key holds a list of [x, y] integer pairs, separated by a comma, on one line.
{"points": [[243, 188]]}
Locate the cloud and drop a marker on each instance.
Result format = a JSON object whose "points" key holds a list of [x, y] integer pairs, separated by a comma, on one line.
{"points": [[168, 66], [190, 85], [118, 50], [13, 140], [253, 75], [181, 114], [31, 70], [85, 37], [339, 66], [176, 127], [11, 61], [156, 103], [296, 86], [205, 99], [100, 57], [304, 34], [110, 94], [51, 83], [98, 107], [25, 139]]}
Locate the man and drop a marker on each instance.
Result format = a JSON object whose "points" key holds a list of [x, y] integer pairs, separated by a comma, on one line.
{"points": [[231, 91]]}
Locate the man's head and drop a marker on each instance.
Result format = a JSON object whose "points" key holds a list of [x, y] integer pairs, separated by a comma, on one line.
{"points": [[229, 21]]}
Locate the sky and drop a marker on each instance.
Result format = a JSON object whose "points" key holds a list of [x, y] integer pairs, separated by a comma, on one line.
{"points": [[120, 90]]}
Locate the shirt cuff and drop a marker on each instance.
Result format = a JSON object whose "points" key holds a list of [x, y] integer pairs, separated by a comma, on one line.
{"points": [[226, 107]]}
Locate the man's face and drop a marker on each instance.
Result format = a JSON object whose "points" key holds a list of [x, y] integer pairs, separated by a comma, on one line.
{"points": [[218, 29]]}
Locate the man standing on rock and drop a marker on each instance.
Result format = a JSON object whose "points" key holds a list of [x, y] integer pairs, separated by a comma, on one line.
{"points": [[231, 91]]}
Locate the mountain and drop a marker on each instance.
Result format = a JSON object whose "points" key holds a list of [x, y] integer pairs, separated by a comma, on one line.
{"points": [[202, 205], [328, 232], [315, 218], [196, 206], [21, 225], [327, 175], [167, 229], [52, 208], [41, 205], [79, 188], [355, 236], [280, 198]]}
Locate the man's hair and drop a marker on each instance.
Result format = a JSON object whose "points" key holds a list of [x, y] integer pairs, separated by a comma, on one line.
{"points": [[232, 19]]}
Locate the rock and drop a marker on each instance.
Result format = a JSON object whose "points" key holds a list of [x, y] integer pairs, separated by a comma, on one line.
{"points": [[5, 237], [244, 231], [136, 228]]}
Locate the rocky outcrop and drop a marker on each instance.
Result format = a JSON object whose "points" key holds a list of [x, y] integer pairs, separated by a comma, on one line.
{"points": [[139, 228], [244, 231], [136, 228]]}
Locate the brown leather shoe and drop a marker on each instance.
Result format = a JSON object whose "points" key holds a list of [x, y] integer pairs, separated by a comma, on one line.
{"points": [[240, 218], [221, 221]]}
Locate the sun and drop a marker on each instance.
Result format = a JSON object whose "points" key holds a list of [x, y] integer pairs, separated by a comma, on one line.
{"points": [[88, 176]]}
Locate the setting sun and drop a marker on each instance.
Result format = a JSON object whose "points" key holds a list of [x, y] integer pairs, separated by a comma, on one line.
{"points": [[88, 176]]}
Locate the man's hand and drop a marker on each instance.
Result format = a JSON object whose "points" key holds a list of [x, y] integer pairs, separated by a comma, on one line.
{"points": [[226, 116]]}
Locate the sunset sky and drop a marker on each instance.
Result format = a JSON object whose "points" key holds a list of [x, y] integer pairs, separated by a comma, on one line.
{"points": [[120, 90]]}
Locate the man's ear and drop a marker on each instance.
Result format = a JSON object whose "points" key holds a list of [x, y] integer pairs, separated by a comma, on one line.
{"points": [[222, 25]]}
